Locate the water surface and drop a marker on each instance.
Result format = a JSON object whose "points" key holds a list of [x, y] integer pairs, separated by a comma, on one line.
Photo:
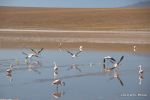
{"points": [[85, 81]]}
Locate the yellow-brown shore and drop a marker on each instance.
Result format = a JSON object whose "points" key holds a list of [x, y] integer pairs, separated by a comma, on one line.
{"points": [[120, 28]]}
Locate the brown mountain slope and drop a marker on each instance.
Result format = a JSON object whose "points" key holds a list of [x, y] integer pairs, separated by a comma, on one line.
{"points": [[85, 19]]}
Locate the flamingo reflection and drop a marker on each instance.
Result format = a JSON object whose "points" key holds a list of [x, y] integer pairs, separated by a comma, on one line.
{"points": [[141, 74], [57, 94], [32, 66], [9, 75], [116, 76], [74, 66], [141, 77]]}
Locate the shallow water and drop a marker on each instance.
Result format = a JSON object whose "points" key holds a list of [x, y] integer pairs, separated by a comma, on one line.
{"points": [[85, 81]]}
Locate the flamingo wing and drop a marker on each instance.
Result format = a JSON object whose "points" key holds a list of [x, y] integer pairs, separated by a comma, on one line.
{"points": [[40, 50], [78, 53], [120, 60], [120, 81], [70, 52], [24, 53], [33, 51]]}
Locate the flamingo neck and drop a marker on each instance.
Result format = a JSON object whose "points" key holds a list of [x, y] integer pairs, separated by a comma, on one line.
{"points": [[10, 67], [140, 68]]}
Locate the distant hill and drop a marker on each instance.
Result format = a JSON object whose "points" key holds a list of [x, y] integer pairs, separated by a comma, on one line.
{"points": [[145, 4]]}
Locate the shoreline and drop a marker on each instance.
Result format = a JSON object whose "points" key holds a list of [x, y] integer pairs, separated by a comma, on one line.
{"points": [[145, 48], [74, 31], [74, 36], [91, 41]]}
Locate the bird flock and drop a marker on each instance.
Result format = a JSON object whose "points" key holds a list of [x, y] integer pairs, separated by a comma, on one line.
{"points": [[113, 66]]}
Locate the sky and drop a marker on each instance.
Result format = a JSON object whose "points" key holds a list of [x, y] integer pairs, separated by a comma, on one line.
{"points": [[70, 3]]}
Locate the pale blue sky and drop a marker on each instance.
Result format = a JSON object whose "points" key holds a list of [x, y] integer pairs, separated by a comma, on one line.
{"points": [[70, 3]]}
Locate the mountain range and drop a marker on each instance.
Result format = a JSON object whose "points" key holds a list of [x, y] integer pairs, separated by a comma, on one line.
{"points": [[144, 4]]}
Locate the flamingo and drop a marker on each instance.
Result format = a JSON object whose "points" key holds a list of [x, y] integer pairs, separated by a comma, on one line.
{"points": [[141, 77], [81, 48], [29, 55], [37, 52], [74, 55], [9, 70], [140, 70], [106, 69], [34, 53], [55, 67], [110, 58], [58, 82], [134, 48], [116, 64]]}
